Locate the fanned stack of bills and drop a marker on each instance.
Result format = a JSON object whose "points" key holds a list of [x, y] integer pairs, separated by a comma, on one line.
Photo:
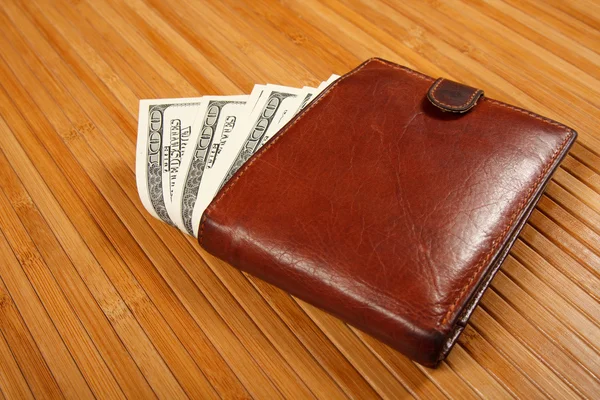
{"points": [[188, 148]]}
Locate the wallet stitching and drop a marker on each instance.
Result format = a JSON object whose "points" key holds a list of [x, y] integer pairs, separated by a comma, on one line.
{"points": [[519, 210], [459, 107], [428, 78]]}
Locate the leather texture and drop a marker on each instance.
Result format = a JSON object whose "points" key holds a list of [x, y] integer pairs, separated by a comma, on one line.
{"points": [[452, 96], [378, 207]]}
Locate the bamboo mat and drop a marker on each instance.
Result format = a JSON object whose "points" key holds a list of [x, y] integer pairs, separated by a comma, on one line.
{"points": [[97, 299]]}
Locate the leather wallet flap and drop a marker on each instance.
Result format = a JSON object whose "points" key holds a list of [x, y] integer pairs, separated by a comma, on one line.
{"points": [[452, 96]]}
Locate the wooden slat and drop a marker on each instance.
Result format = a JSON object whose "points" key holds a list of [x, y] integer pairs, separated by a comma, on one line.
{"points": [[542, 35], [76, 338], [576, 322], [99, 299], [109, 344], [560, 283], [116, 311], [531, 366], [12, 381], [51, 344], [414, 374], [485, 384], [552, 17], [25, 351], [498, 363]]}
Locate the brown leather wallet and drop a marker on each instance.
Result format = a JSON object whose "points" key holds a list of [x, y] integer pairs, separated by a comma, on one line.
{"points": [[390, 202]]}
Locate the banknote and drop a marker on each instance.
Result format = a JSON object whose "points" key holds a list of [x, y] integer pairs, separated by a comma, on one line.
{"points": [[214, 177], [275, 99], [164, 129], [219, 116], [189, 148], [213, 172], [271, 103]]}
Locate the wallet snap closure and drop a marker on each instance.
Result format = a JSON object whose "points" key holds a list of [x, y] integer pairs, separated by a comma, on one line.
{"points": [[452, 96]]}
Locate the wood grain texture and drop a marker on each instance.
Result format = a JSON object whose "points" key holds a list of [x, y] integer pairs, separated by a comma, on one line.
{"points": [[98, 299]]}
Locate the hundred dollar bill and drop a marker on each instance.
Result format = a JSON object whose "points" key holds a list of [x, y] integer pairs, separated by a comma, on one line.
{"points": [[219, 115], [176, 183], [269, 104], [214, 176], [164, 128], [262, 117], [214, 172]]}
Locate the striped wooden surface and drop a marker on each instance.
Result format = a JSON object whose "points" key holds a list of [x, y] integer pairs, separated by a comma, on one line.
{"points": [[97, 299]]}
